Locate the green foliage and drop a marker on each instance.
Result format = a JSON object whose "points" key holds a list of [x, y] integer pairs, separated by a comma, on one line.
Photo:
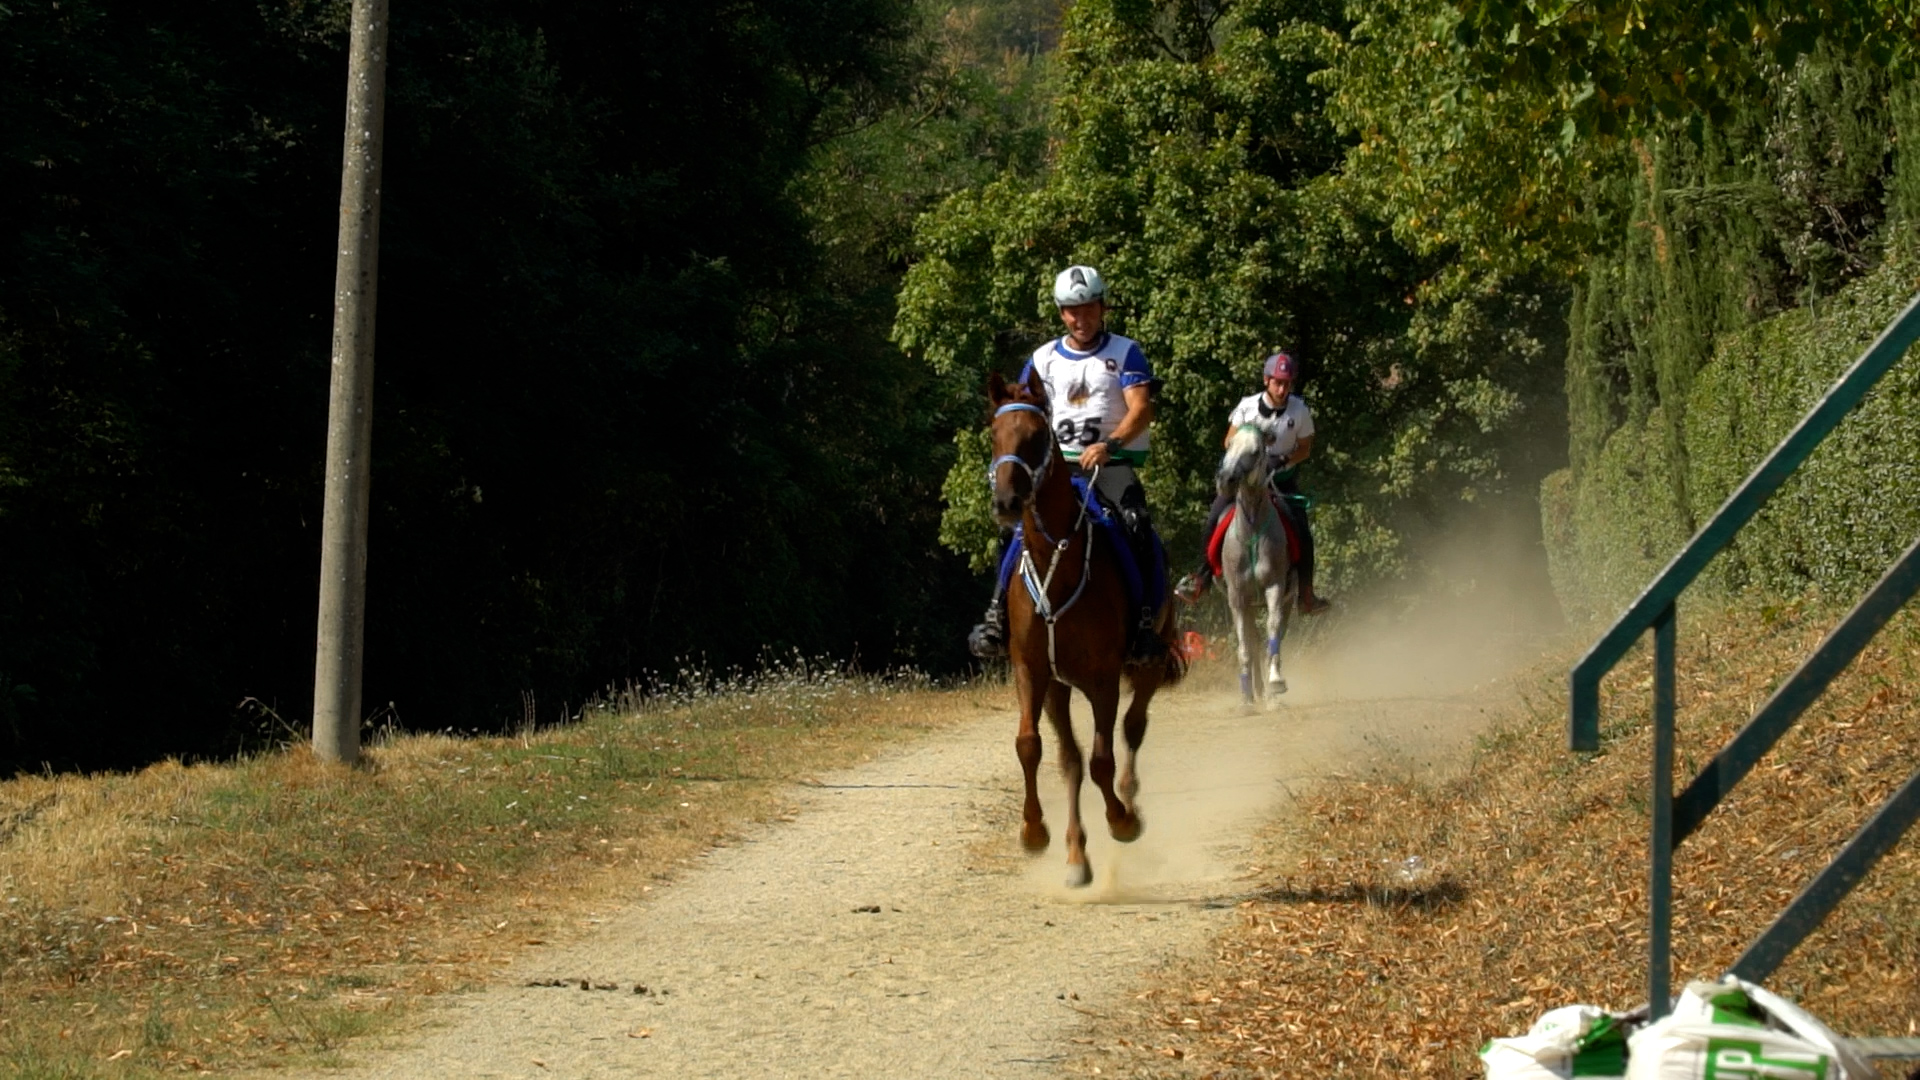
{"points": [[1499, 126], [1195, 166], [1833, 526], [1612, 65], [1612, 531], [1459, 164], [968, 526], [1903, 187], [975, 108], [1745, 226], [632, 403], [1502, 128]]}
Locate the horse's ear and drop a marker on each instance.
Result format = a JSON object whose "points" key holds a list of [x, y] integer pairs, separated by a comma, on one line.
{"points": [[1035, 389], [997, 391]]}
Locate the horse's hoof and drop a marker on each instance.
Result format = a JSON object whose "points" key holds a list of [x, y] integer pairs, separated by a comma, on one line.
{"points": [[1277, 686], [1127, 829], [1034, 837], [1079, 875]]}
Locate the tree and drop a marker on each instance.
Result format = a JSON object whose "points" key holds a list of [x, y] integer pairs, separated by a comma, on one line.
{"points": [[1196, 167], [616, 428]]}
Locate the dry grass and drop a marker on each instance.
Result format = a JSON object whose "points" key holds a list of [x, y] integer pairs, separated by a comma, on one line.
{"points": [[1529, 888], [222, 917]]}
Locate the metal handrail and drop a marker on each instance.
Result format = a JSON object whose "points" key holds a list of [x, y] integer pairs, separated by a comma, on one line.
{"points": [[1733, 515], [1674, 820]]}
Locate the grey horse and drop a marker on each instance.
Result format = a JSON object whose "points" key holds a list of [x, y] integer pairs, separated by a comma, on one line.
{"points": [[1253, 559]]}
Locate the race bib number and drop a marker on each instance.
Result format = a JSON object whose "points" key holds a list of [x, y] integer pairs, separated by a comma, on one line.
{"points": [[1078, 433]]}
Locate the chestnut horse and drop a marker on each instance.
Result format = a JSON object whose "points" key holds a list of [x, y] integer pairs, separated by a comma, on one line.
{"points": [[1067, 619]]}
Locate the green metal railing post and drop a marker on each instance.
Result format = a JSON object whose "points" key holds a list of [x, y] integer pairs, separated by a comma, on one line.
{"points": [[1660, 872]]}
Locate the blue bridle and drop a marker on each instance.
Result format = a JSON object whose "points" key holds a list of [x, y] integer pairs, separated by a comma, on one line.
{"points": [[1035, 473]]}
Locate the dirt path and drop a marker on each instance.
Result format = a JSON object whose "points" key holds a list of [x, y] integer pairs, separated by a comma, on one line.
{"points": [[893, 928]]}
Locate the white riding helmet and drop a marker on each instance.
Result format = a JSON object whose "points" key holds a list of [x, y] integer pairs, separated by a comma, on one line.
{"points": [[1078, 285]]}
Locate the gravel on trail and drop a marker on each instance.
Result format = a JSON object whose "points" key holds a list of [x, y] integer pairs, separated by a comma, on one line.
{"points": [[894, 927]]}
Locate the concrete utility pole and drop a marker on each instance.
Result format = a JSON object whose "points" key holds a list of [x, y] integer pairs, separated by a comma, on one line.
{"points": [[343, 527]]}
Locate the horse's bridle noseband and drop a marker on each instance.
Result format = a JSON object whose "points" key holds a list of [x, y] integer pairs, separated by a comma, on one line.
{"points": [[1035, 473]]}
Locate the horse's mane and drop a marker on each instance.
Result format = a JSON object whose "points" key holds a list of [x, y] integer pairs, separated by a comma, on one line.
{"points": [[1246, 439], [1244, 465]]}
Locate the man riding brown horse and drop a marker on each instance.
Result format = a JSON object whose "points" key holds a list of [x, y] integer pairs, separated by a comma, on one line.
{"points": [[1099, 389], [1068, 623]]}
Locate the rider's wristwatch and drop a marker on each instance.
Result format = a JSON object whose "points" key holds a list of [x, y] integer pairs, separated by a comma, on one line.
{"points": [[1113, 446]]}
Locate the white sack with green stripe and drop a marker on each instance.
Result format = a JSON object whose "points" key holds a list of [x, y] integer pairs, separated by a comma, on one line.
{"points": [[1570, 1041], [1735, 1030]]}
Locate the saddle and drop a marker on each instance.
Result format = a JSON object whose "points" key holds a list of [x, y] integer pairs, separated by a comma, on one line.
{"points": [[1219, 538], [1145, 584]]}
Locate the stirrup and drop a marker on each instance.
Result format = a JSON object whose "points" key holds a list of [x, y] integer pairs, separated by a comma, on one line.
{"points": [[987, 642], [1192, 587]]}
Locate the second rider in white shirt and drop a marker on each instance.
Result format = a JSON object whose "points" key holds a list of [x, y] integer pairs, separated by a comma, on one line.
{"points": [[1285, 416]]}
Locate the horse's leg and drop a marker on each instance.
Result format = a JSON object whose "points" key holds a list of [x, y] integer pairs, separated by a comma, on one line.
{"points": [[1252, 687], [1033, 834], [1277, 600], [1238, 601], [1071, 769], [1145, 683], [1121, 821]]}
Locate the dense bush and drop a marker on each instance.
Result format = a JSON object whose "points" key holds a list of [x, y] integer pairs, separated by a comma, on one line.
{"points": [[1834, 526], [1754, 258], [1839, 522], [1609, 535], [630, 402]]}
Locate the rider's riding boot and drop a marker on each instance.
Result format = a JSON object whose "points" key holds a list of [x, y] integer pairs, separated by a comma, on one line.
{"points": [[1311, 604], [1143, 641], [988, 641], [1194, 585]]}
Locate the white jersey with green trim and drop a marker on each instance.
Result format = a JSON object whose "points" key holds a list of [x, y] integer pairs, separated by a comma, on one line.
{"points": [[1086, 392]]}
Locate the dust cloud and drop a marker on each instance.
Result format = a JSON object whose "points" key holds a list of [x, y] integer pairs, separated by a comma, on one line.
{"points": [[1397, 680], [1477, 604]]}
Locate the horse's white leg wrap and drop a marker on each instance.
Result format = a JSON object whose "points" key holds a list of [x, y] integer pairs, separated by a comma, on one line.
{"points": [[1276, 632]]}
